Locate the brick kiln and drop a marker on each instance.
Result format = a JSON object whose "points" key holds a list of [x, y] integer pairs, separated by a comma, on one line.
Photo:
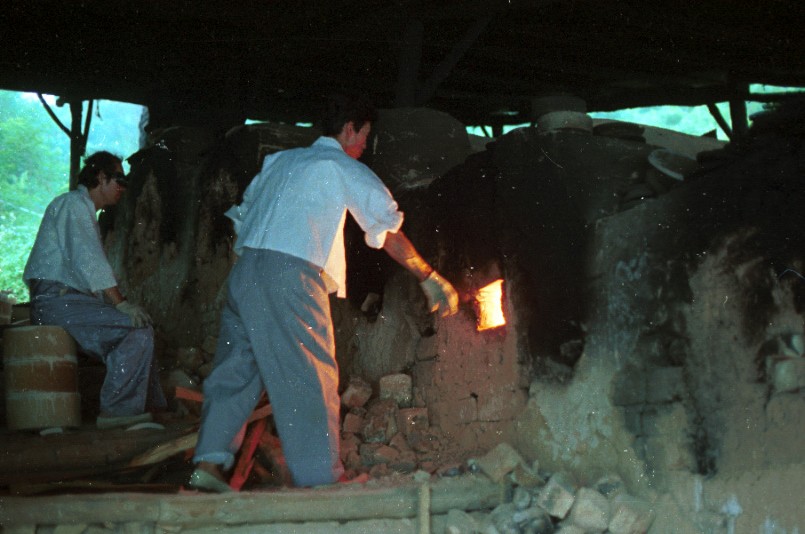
{"points": [[649, 373]]}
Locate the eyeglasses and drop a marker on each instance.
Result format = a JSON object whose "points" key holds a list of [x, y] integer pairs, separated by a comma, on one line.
{"points": [[120, 178]]}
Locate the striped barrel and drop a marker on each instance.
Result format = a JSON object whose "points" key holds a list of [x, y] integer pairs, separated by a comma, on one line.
{"points": [[41, 378]]}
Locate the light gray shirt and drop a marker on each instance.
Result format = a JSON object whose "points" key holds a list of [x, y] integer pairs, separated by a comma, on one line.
{"points": [[68, 247], [298, 203]]}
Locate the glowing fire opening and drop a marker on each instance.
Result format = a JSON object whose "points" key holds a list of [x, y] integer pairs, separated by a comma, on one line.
{"points": [[490, 306]]}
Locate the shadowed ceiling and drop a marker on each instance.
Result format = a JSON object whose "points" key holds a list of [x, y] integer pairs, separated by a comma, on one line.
{"points": [[482, 61]]}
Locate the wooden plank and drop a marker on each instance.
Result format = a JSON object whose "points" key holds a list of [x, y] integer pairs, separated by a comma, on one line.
{"points": [[260, 413], [163, 451], [244, 465], [96, 486], [83, 451], [189, 394], [334, 503], [373, 526], [196, 396]]}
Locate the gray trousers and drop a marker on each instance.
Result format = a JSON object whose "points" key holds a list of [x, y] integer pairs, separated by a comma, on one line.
{"points": [[276, 334], [131, 384]]}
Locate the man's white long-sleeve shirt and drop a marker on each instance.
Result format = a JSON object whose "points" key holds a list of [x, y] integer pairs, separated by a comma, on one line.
{"points": [[68, 247], [298, 202]]}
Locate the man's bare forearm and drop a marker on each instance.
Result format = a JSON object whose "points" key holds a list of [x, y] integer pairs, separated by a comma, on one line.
{"points": [[401, 250]]}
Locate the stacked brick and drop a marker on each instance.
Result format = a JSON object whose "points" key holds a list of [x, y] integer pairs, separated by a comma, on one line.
{"points": [[473, 385], [783, 359], [542, 503], [385, 433]]}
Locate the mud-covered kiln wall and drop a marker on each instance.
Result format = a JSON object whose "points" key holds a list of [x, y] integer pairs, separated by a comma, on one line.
{"points": [[472, 384], [690, 385], [644, 322]]}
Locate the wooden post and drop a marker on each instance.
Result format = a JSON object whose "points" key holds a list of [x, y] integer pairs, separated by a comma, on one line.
{"points": [[740, 122], [424, 508], [428, 88], [78, 137], [714, 111], [410, 57]]}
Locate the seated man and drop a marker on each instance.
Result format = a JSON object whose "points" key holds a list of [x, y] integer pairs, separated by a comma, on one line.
{"points": [[72, 285]]}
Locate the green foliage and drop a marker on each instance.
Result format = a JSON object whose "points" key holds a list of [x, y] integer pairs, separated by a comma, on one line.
{"points": [[34, 168], [29, 152], [17, 231]]}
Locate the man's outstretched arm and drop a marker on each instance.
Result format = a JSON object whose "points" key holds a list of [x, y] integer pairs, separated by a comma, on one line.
{"points": [[440, 292]]}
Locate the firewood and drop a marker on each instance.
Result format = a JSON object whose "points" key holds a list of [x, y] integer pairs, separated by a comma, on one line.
{"points": [[165, 450]]}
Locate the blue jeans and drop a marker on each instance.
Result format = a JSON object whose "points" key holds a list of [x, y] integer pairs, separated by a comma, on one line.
{"points": [[276, 334], [132, 380]]}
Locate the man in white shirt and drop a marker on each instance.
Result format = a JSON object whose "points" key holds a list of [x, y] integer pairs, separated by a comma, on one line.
{"points": [[73, 286], [276, 329]]}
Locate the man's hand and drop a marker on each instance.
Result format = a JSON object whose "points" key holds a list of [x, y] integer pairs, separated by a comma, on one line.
{"points": [[440, 294], [139, 317], [438, 290]]}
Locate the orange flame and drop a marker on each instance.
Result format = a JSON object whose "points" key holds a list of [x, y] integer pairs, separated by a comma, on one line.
{"points": [[489, 301]]}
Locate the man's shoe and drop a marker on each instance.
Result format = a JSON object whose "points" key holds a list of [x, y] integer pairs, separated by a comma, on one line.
{"points": [[122, 421], [204, 481]]}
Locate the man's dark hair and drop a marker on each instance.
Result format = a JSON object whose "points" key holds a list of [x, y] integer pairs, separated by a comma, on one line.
{"points": [[343, 108], [94, 164]]}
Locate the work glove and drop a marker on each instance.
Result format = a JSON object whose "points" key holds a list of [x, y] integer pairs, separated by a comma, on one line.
{"points": [[440, 294], [139, 317]]}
